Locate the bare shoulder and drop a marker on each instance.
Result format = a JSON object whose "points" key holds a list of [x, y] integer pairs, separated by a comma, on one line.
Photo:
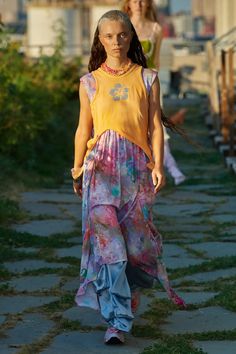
{"points": [[157, 29]]}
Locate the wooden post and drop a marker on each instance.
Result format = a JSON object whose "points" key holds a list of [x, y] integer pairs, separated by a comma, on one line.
{"points": [[214, 99], [231, 84], [231, 101], [224, 101]]}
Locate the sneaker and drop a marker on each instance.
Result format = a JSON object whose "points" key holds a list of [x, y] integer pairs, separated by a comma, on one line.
{"points": [[135, 301], [114, 336]]}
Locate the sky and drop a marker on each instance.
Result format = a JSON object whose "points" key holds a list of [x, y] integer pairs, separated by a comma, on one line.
{"points": [[178, 5]]}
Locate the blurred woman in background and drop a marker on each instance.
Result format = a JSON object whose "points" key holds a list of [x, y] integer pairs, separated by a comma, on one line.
{"points": [[144, 19]]}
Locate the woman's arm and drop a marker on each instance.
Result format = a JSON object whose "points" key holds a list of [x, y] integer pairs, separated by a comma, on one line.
{"points": [[83, 132], [156, 135], [158, 42]]}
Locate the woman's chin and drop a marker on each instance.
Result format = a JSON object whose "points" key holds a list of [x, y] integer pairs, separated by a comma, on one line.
{"points": [[118, 54]]}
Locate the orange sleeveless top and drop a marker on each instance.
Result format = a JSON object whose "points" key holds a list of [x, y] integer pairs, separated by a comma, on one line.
{"points": [[121, 104]]}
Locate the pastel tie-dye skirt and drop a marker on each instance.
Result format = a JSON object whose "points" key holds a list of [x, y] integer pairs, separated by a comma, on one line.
{"points": [[122, 250]]}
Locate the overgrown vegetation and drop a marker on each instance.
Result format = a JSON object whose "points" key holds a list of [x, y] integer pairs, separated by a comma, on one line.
{"points": [[9, 210], [172, 345], [38, 114], [13, 239]]}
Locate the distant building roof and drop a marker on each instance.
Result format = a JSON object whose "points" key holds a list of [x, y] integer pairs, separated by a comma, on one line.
{"points": [[72, 2]]}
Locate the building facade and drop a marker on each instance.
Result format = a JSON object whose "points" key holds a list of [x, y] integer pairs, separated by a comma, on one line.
{"points": [[77, 17], [204, 15], [203, 8], [12, 11], [225, 16]]}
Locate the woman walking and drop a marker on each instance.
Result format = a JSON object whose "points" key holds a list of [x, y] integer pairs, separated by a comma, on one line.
{"points": [[144, 19], [118, 160]]}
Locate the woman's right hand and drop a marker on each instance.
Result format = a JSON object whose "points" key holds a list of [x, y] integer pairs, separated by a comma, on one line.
{"points": [[158, 179]]}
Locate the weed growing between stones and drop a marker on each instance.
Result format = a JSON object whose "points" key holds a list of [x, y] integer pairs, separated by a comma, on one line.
{"points": [[16, 239], [214, 335], [213, 264], [178, 344], [9, 211], [67, 325], [146, 331], [69, 271], [172, 345], [230, 191], [37, 347], [5, 289], [4, 274], [200, 254], [9, 254], [41, 217], [160, 309], [61, 327], [65, 302], [227, 296]]}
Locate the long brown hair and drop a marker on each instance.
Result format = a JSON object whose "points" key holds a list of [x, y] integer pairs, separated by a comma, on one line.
{"points": [[135, 52], [151, 13]]}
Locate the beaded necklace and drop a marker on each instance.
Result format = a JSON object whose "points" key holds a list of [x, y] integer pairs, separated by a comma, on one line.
{"points": [[117, 72]]}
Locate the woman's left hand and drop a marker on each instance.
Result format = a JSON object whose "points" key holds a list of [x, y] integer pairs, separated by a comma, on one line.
{"points": [[77, 186], [158, 179]]}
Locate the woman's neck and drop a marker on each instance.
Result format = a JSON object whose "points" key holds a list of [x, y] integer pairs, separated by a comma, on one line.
{"points": [[138, 20], [117, 63]]}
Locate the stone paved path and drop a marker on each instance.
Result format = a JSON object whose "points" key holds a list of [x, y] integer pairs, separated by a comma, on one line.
{"points": [[197, 220]]}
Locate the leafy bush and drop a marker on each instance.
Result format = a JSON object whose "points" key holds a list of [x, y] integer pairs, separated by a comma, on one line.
{"points": [[9, 211], [37, 114]]}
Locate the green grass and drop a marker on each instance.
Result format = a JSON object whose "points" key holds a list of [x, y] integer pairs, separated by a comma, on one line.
{"points": [[4, 274], [61, 326], [13, 238], [195, 253], [70, 271], [227, 296], [172, 345], [159, 310], [10, 211], [8, 254], [181, 344], [67, 325], [65, 302], [5, 289], [215, 335], [213, 264]]}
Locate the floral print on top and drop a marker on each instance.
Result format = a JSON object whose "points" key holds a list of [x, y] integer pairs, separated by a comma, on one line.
{"points": [[119, 92]]}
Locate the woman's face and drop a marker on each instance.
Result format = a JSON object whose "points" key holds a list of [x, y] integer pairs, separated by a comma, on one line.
{"points": [[115, 37], [138, 7]]}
